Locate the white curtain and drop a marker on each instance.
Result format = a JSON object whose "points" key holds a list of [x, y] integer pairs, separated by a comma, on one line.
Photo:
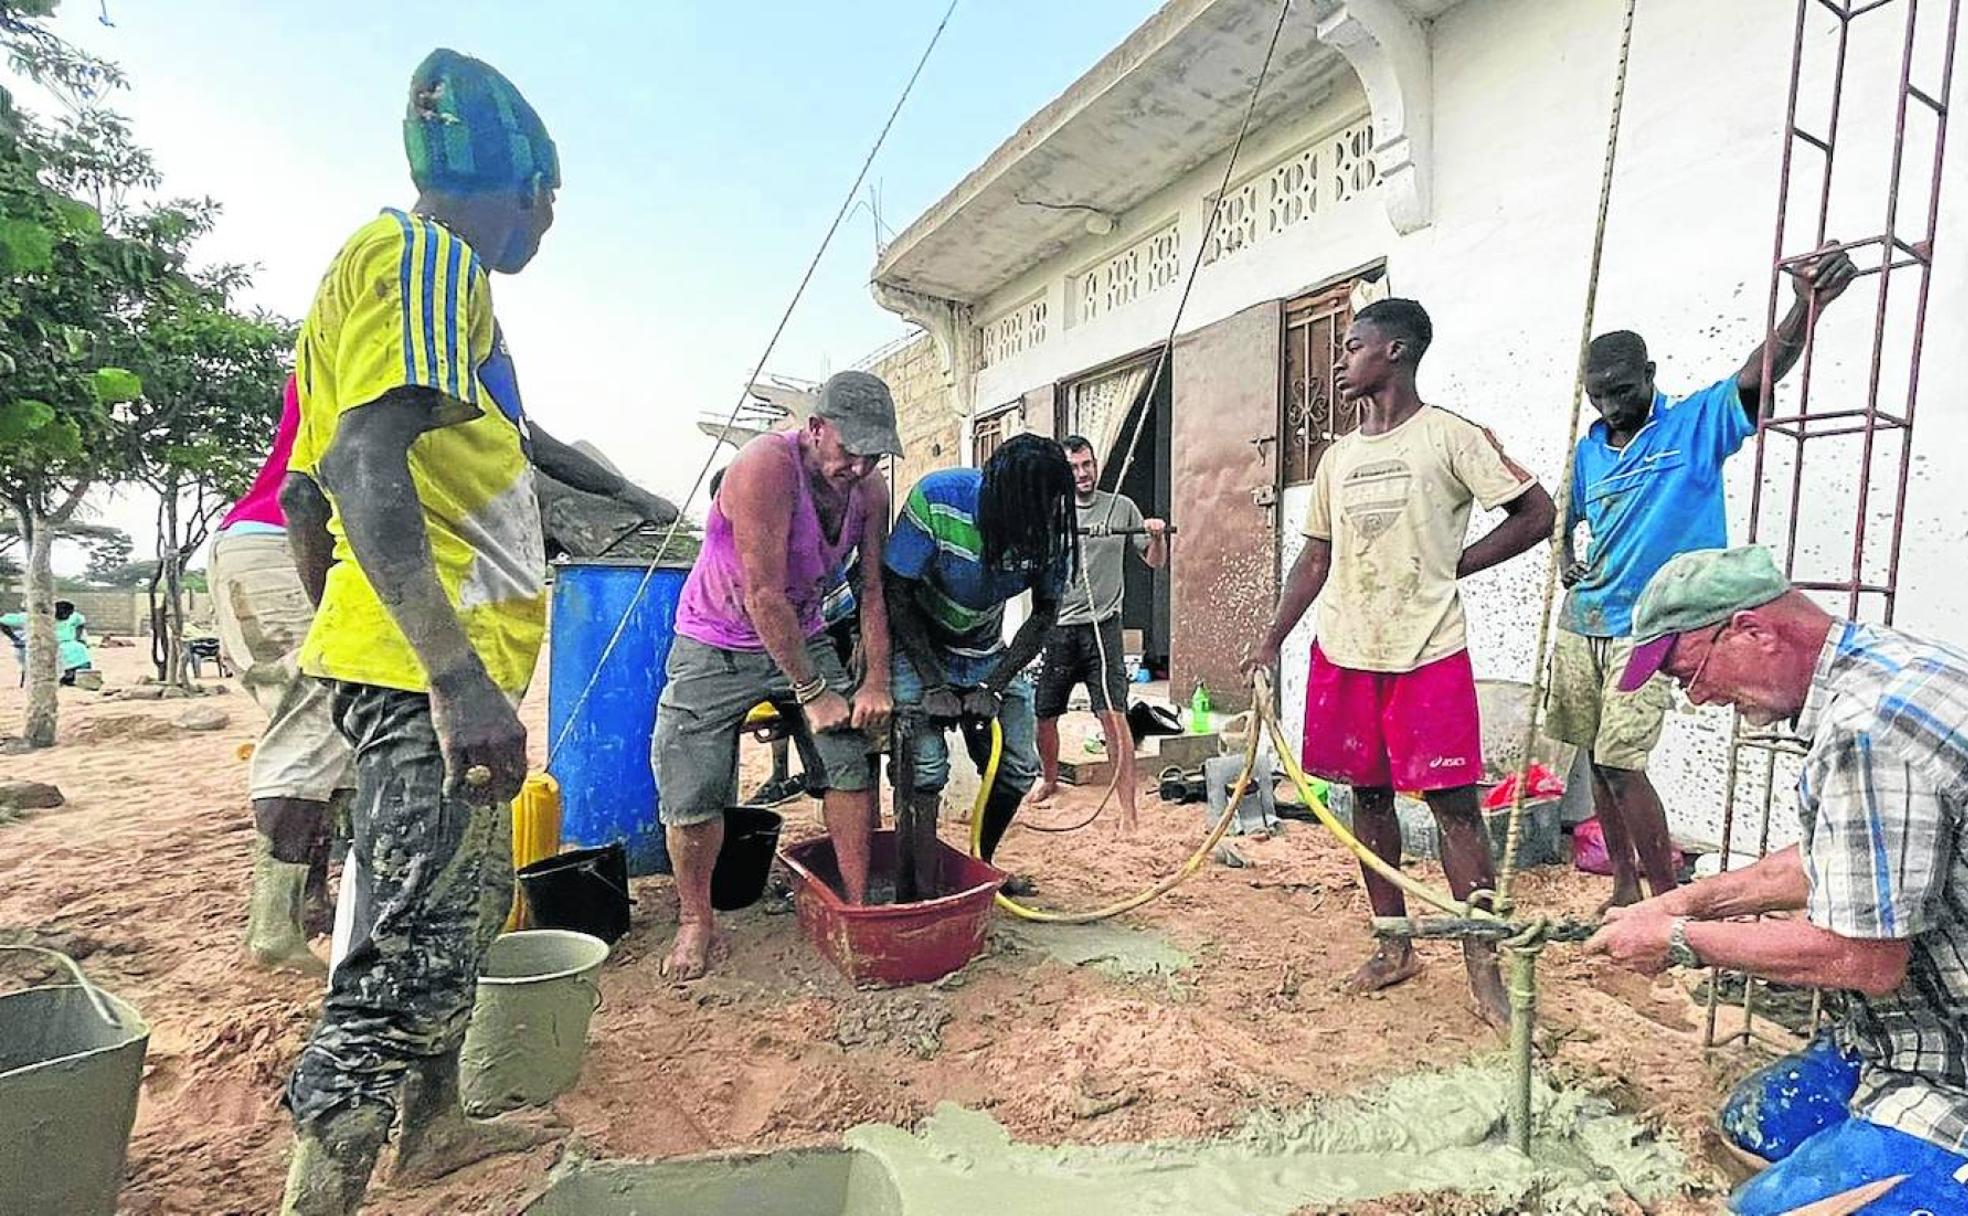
{"points": [[1099, 407]]}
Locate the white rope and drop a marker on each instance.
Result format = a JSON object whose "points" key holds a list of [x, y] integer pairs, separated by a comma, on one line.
{"points": [[1507, 868], [744, 394], [1154, 383]]}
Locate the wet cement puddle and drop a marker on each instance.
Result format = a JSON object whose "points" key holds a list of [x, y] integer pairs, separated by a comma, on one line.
{"points": [[1114, 950], [1427, 1132]]}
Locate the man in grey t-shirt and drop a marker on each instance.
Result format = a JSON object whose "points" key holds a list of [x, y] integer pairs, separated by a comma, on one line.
{"points": [[1085, 646]]}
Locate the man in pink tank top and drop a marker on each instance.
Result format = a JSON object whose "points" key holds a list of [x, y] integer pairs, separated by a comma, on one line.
{"points": [[750, 629]]}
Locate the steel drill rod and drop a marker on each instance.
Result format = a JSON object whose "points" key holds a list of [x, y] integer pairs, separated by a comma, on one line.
{"points": [[1444, 927], [1523, 1022]]}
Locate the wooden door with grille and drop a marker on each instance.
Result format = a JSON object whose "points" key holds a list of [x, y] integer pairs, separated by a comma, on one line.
{"points": [[1314, 416]]}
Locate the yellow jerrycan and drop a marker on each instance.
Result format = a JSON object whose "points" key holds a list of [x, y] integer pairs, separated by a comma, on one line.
{"points": [[536, 833]]}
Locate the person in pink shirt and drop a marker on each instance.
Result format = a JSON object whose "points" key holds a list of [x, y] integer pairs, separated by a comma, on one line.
{"points": [[302, 762], [750, 627]]}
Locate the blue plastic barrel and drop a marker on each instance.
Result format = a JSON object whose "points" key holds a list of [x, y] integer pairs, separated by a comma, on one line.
{"points": [[607, 789]]}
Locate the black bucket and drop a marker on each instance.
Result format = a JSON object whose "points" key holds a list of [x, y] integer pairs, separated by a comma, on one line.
{"points": [[586, 890], [751, 837]]}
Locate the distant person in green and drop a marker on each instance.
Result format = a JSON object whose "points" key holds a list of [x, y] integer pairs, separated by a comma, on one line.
{"points": [[71, 640]]}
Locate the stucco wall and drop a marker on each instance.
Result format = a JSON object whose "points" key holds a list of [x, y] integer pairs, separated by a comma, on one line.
{"points": [[925, 409], [1521, 93]]}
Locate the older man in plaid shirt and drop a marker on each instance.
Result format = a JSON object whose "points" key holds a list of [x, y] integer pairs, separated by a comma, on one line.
{"points": [[1877, 1114]]}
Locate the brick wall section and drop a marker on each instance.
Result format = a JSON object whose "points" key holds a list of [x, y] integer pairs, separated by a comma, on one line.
{"points": [[925, 404]]}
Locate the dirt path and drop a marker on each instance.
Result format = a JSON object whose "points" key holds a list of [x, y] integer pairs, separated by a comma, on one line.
{"points": [[143, 877]]}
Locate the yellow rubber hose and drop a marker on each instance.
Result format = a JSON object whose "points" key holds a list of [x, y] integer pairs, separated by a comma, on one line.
{"points": [[1136, 900], [1392, 873], [1263, 712]]}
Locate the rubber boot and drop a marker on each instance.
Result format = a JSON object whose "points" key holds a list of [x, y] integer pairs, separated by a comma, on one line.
{"points": [[998, 810], [437, 1137], [274, 936], [332, 1161], [318, 897]]}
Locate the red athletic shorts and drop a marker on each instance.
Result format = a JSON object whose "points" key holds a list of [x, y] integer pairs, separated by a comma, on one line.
{"points": [[1415, 730]]}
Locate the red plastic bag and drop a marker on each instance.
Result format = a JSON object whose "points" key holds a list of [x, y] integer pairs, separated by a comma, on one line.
{"points": [[1589, 848], [1544, 785]]}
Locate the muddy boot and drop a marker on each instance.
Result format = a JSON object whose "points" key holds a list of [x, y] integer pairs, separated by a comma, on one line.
{"points": [[318, 899], [332, 1161], [437, 1138], [274, 937], [318, 902]]}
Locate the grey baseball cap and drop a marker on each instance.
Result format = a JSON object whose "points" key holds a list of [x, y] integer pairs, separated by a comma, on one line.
{"points": [[861, 409]]}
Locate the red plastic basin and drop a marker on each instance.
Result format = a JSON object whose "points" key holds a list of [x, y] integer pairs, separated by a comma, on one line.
{"points": [[882, 945]]}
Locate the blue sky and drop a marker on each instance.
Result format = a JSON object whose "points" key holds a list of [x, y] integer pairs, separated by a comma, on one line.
{"points": [[704, 145]]}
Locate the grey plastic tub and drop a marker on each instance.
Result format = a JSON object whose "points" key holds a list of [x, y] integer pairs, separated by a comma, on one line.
{"points": [[71, 1063], [529, 1025]]}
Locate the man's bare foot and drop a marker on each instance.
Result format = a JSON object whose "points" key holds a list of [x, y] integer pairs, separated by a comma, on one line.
{"points": [[1390, 965], [697, 945], [1129, 823], [452, 1142], [1620, 898], [1043, 793]]}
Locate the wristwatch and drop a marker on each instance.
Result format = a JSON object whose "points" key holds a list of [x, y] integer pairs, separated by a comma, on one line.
{"points": [[1679, 952]]}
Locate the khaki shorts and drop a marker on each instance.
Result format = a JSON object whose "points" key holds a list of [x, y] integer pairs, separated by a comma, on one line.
{"points": [[708, 692], [1586, 707], [263, 616]]}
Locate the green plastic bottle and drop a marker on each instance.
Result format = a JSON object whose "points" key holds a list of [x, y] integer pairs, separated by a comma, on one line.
{"points": [[1199, 710]]}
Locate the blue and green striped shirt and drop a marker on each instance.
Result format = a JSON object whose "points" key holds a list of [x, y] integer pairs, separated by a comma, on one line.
{"points": [[936, 544]]}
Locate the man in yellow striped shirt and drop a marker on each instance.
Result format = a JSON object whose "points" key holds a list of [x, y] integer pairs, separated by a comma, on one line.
{"points": [[428, 552]]}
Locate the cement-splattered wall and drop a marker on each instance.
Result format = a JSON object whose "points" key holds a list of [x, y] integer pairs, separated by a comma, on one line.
{"points": [[1521, 89]]}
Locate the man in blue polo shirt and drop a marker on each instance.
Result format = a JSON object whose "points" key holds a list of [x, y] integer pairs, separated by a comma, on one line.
{"points": [[1647, 483]]}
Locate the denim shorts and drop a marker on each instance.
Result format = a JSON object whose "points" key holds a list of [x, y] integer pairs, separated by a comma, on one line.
{"points": [[1018, 768]]}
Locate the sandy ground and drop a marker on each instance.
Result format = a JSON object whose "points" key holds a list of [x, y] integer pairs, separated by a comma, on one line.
{"points": [[143, 874]]}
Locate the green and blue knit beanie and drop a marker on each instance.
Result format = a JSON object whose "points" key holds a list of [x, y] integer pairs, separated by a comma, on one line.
{"points": [[469, 131]]}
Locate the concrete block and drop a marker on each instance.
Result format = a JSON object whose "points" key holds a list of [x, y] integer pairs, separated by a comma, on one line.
{"points": [[1540, 841], [1187, 751], [1097, 772]]}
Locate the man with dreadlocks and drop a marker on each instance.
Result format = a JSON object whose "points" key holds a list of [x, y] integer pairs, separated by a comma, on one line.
{"points": [[409, 501], [966, 541]]}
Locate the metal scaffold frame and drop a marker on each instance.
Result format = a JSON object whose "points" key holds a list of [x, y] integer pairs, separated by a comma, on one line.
{"points": [[1884, 255]]}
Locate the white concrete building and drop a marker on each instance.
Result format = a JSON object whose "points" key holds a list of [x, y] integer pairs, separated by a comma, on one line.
{"points": [[1447, 151]]}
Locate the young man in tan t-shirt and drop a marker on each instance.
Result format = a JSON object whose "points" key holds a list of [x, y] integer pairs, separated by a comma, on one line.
{"points": [[1390, 702]]}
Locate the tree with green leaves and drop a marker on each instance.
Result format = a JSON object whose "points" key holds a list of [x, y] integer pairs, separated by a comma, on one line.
{"points": [[116, 364], [211, 402], [105, 544], [109, 551], [68, 284]]}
